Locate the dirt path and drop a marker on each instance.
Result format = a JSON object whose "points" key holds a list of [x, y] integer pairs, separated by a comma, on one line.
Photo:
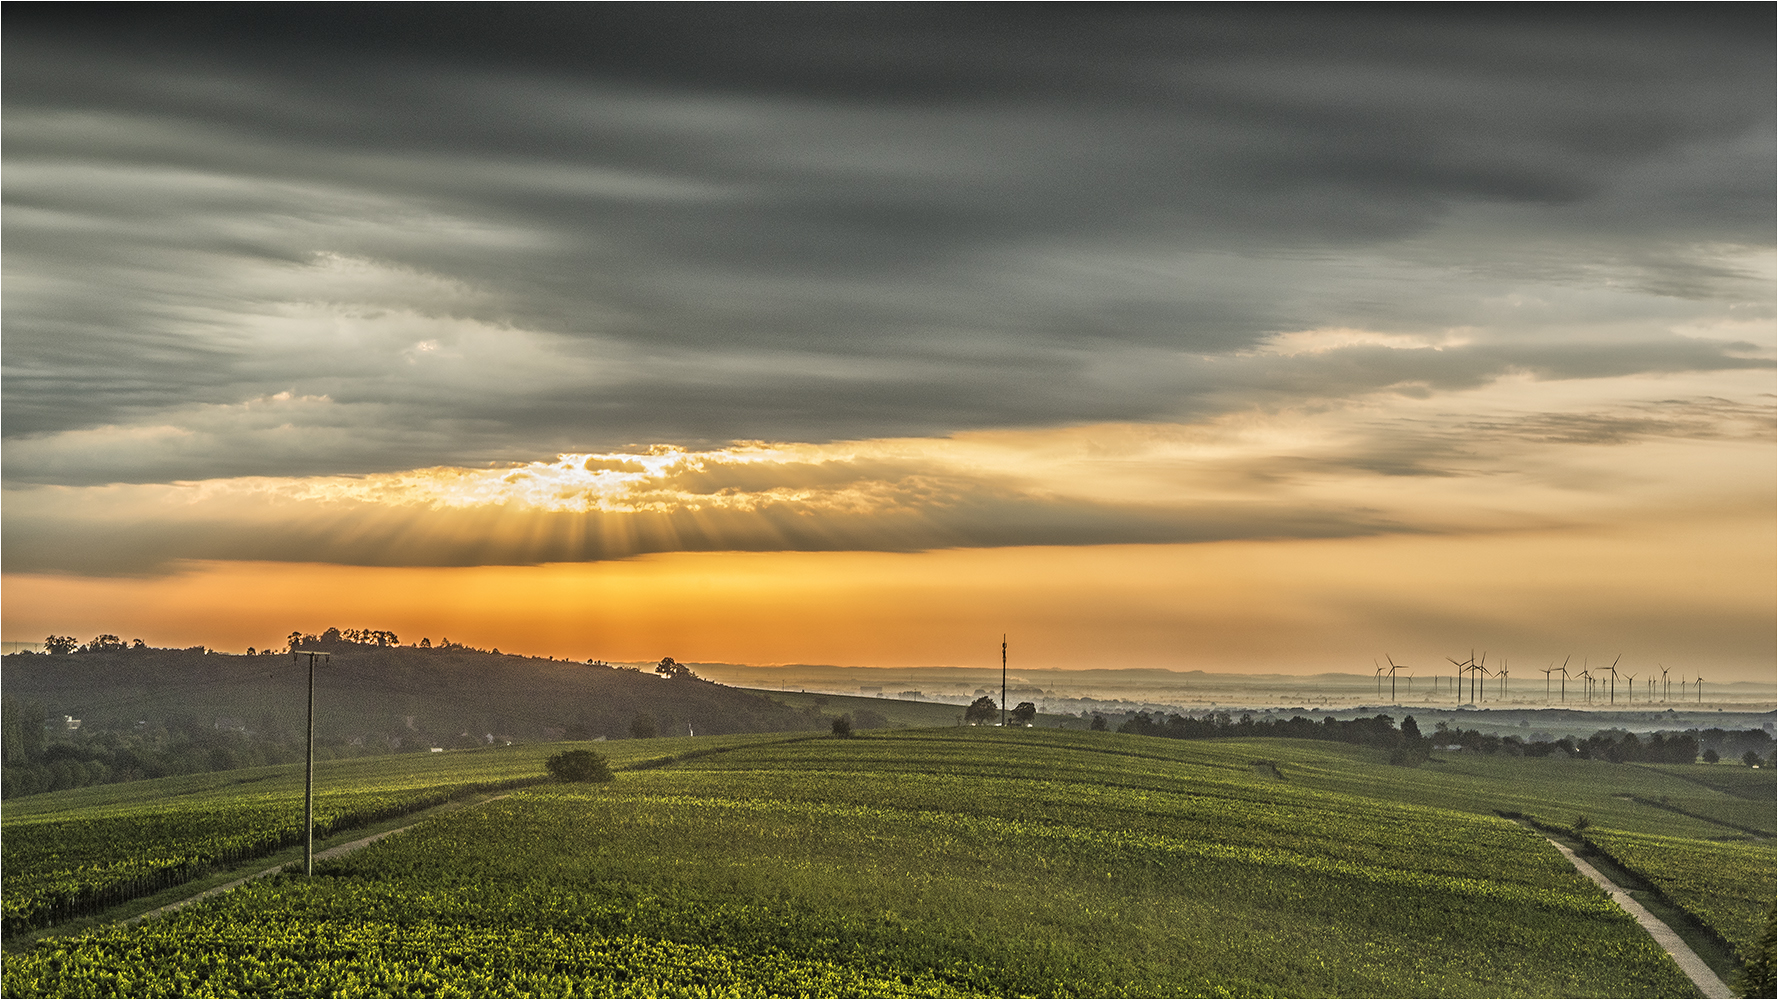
{"points": [[1689, 962], [338, 850]]}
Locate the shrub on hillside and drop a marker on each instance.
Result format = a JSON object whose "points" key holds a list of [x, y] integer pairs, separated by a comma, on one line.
{"points": [[842, 726], [579, 765]]}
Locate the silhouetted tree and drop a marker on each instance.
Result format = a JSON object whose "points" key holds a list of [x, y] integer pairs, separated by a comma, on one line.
{"points": [[1024, 713], [1098, 723], [21, 731], [981, 710], [60, 645], [1711, 756], [672, 670], [642, 727], [1750, 758], [842, 726]]}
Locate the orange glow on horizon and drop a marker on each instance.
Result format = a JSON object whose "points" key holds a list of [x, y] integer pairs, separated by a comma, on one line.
{"points": [[1692, 593]]}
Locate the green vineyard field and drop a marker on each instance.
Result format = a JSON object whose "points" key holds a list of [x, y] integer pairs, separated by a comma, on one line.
{"points": [[74, 853], [935, 862]]}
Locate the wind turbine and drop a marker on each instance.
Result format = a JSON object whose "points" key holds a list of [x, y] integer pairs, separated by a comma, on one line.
{"points": [[1379, 676], [1503, 678], [1479, 668], [1632, 687], [1699, 686], [1461, 667], [1393, 667], [1613, 669], [1587, 675], [1564, 669], [1666, 686]]}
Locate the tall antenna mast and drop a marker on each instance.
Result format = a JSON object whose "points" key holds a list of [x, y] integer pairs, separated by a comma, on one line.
{"points": [[1003, 680]]}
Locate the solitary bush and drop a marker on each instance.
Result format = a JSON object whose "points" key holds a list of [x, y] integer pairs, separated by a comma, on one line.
{"points": [[842, 726], [1581, 822], [579, 765]]}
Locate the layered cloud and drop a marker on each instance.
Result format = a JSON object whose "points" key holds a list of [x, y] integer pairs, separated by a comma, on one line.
{"points": [[269, 246], [1067, 297], [1396, 465]]}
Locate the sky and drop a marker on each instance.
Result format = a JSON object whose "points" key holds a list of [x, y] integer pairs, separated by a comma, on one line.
{"points": [[865, 334]]}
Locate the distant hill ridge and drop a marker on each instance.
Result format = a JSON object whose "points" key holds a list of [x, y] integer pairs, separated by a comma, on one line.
{"points": [[369, 699]]}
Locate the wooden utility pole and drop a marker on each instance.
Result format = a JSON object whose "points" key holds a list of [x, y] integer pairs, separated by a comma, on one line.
{"points": [[309, 779], [1003, 680]]}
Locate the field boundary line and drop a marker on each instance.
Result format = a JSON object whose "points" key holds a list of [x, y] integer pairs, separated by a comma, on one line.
{"points": [[336, 851], [1657, 804], [1689, 962]]}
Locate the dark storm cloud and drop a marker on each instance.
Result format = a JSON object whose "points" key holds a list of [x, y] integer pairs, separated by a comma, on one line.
{"points": [[622, 225]]}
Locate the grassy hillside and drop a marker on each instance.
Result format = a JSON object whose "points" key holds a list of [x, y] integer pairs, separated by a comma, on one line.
{"points": [[908, 862]]}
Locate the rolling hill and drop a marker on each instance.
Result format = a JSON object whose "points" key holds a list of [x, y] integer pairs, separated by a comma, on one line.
{"points": [[919, 862]]}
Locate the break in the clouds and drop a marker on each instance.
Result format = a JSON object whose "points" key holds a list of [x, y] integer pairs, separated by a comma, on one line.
{"points": [[1303, 475], [302, 245]]}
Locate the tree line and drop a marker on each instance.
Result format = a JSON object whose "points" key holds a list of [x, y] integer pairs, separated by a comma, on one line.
{"points": [[1409, 744]]}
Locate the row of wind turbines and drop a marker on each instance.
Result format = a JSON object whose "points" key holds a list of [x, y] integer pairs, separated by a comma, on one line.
{"points": [[1604, 682]]}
